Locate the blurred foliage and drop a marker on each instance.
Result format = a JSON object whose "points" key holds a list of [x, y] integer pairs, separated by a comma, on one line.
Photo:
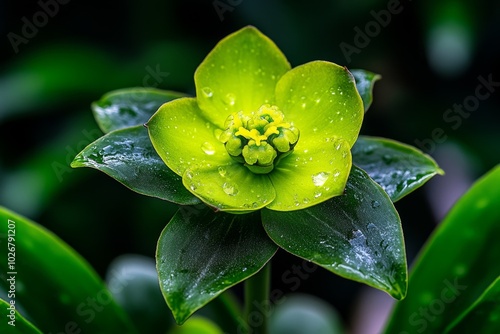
{"points": [[86, 50]]}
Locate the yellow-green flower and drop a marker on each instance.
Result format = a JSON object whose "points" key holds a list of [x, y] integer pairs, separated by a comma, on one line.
{"points": [[259, 133]]}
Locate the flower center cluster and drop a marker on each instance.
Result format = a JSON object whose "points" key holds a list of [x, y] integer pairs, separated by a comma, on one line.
{"points": [[259, 139]]}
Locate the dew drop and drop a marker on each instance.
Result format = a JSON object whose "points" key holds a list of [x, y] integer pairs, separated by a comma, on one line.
{"points": [[208, 148], [230, 189], [317, 194], [320, 178], [207, 91], [306, 200], [230, 99], [375, 204], [336, 173], [222, 171]]}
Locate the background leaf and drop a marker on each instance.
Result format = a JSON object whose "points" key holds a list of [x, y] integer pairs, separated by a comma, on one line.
{"points": [[398, 168], [128, 156], [356, 235], [483, 316], [458, 262], [202, 253], [365, 80], [19, 324], [55, 285], [301, 313], [129, 107]]}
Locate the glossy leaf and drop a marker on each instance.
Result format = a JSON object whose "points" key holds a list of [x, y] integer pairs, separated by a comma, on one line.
{"points": [[201, 253], [398, 168], [457, 263], [13, 322], [322, 101], [240, 73], [308, 177], [128, 156], [365, 80], [55, 285], [129, 107], [481, 317], [356, 235]]}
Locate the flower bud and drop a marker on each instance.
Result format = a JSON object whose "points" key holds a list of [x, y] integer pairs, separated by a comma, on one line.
{"points": [[259, 139]]}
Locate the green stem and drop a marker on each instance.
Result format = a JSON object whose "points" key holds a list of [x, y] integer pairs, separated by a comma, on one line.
{"points": [[257, 303]]}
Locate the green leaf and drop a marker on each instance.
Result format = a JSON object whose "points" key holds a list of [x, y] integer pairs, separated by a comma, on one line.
{"points": [[457, 263], [483, 316], [240, 73], [322, 101], [357, 235], [128, 156], [397, 167], [308, 177], [13, 322], [201, 253], [129, 107], [301, 313], [187, 144], [365, 80], [55, 285]]}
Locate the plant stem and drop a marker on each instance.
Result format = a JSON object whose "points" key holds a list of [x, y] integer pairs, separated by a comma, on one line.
{"points": [[257, 303]]}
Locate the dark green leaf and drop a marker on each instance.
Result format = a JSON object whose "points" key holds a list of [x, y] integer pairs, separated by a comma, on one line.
{"points": [[129, 107], [128, 156], [483, 316], [365, 80], [56, 287], [14, 323], [457, 263], [356, 235], [398, 168], [201, 253]]}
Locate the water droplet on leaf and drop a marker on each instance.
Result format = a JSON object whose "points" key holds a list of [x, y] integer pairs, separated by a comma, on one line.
{"points": [[208, 148], [222, 171], [230, 189], [207, 91], [320, 178]]}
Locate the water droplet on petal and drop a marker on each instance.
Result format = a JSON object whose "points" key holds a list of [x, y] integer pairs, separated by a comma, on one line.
{"points": [[230, 99], [230, 189], [222, 171], [207, 91], [208, 148], [320, 178]]}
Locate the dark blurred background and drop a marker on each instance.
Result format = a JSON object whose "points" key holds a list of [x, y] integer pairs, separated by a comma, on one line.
{"points": [[59, 56]]}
